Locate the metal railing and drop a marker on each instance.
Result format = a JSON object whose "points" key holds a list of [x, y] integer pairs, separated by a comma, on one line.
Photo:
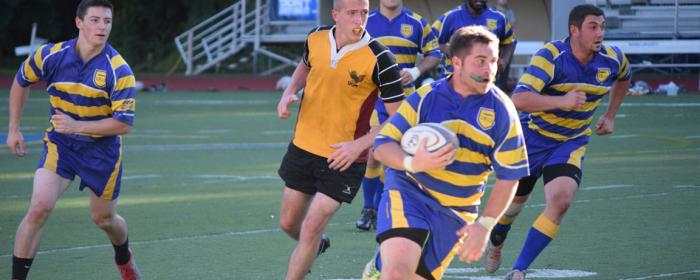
{"points": [[220, 36]]}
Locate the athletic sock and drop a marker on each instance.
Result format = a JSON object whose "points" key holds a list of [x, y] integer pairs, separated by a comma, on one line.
{"points": [[542, 232], [370, 185], [121, 253], [20, 267]]}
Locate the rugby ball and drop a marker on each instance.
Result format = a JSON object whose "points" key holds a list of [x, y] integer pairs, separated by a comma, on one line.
{"points": [[437, 136]]}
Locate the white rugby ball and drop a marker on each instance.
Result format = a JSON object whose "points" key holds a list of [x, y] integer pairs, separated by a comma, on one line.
{"points": [[437, 136]]}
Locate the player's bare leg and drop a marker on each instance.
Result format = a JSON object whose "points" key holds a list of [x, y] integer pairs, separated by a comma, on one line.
{"points": [[400, 258], [559, 194], [320, 211], [48, 187], [293, 210], [104, 215]]}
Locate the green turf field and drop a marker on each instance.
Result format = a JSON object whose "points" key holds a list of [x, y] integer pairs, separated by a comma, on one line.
{"points": [[201, 196]]}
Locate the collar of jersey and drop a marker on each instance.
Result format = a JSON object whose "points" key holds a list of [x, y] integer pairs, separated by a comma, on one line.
{"points": [[337, 55]]}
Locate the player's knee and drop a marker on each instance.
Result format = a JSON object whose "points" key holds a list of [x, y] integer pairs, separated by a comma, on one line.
{"points": [[103, 221], [312, 228], [397, 272], [39, 212], [288, 226], [562, 201]]}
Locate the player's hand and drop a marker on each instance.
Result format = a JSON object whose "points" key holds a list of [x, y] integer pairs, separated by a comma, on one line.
{"points": [[15, 141], [283, 111], [604, 125], [474, 243], [63, 123], [406, 77], [344, 155], [574, 99], [424, 160]]}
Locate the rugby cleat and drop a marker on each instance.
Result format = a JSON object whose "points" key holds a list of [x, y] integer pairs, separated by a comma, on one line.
{"points": [[515, 275], [492, 261], [129, 270], [370, 272], [367, 219], [324, 244]]}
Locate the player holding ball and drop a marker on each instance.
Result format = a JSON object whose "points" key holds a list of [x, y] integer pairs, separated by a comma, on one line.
{"points": [[430, 202]]}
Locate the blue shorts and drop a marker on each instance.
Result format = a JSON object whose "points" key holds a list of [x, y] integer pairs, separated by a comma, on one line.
{"points": [[98, 163], [401, 209], [543, 151]]}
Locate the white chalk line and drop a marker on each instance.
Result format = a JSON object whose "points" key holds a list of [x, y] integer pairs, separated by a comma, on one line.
{"points": [[663, 275]]}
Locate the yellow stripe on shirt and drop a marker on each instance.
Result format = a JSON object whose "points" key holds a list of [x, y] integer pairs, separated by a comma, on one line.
{"points": [[125, 82], [543, 64], [536, 83], [82, 111], [461, 127], [80, 89], [28, 72], [587, 88], [458, 178], [396, 42], [117, 62], [563, 122]]}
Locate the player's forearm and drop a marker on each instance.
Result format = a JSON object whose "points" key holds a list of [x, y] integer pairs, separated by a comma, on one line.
{"points": [[506, 52], [617, 94], [391, 155], [18, 97], [500, 198], [533, 102], [104, 127], [428, 64], [298, 79]]}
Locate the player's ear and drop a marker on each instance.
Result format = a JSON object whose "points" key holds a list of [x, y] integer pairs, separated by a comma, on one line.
{"points": [[78, 22], [573, 29]]}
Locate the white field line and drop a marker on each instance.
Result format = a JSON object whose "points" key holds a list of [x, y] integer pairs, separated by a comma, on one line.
{"points": [[686, 187], [606, 199], [233, 178], [624, 136], [531, 273], [144, 176], [692, 137], [605, 187], [212, 102], [237, 233], [651, 104], [663, 275]]}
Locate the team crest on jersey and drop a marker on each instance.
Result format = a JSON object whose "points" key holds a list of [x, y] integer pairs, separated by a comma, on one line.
{"points": [[406, 30], [491, 24], [486, 118], [100, 78], [355, 79], [602, 75]]}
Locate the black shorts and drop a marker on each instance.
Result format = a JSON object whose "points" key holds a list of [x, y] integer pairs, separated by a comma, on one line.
{"points": [[309, 173]]}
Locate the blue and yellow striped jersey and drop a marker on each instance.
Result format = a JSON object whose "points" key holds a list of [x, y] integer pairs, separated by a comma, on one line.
{"points": [[490, 139], [460, 17], [100, 88], [406, 35], [554, 71]]}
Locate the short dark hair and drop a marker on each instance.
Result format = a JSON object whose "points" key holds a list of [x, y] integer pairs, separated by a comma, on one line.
{"points": [[464, 38], [85, 4], [579, 13]]}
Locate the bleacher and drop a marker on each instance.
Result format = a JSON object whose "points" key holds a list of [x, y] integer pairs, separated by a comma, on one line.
{"points": [[651, 19]]}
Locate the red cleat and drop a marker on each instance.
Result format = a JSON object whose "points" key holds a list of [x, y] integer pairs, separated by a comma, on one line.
{"points": [[129, 270]]}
